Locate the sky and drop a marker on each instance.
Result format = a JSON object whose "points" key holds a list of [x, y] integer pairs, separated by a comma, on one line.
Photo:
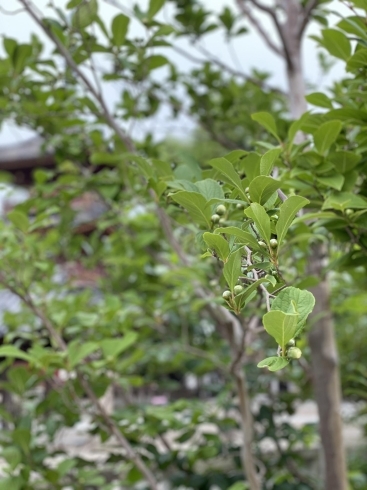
{"points": [[248, 52]]}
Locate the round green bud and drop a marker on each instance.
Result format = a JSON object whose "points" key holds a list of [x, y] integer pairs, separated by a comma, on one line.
{"points": [[240, 206], [273, 243], [222, 221], [275, 217], [291, 343], [238, 289], [247, 189], [349, 212], [294, 353], [215, 218], [262, 244], [227, 295], [221, 210]]}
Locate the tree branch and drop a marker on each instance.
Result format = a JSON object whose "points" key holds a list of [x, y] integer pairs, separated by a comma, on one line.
{"points": [[307, 12]]}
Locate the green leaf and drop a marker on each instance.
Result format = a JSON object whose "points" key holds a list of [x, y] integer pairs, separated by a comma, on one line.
{"points": [[195, 205], [326, 135], [304, 302], [242, 236], [335, 181], [319, 100], [217, 244], [344, 161], [12, 456], [14, 352], [251, 165], [154, 7], [156, 61], [230, 175], [358, 60], [287, 212], [232, 269], [111, 348], [281, 326], [119, 28], [242, 298], [19, 219], [20, 56], [297, 126], [210, 189], [262, 188], [344, 200], [336, 43], [85, 14], [268, 159], [267, 121], [262, 221], [274, 363], [77, 351]]}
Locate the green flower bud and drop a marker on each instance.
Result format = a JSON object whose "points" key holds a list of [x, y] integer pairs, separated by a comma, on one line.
{"points": [[240, 206], [238, 289], [227, 295], [275, 217], [221, 209], [262, 244], [222, 221], [215, 218], [349, 212], [247, 189], [294, 353], [273, 243]]}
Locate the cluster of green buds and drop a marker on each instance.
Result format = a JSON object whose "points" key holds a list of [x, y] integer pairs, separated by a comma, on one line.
{"points": [[292, 351], [217, 217]]}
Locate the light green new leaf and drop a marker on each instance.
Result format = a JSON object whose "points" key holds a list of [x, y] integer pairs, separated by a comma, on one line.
{"points": [[230, 175], [267, 121], [246, 295], [217, 244], [262, 188], [335, 181], [319, 99], [19, 219], [232, 269], [77, 351], [154, 7], [119, 28], [194, 203], [268, 159], [156, 61], [242, 236], [336, 43], [304, 302], [281, 326], [273, 363], [262, 221], [111, 348], [287, 212], [326, 135]]}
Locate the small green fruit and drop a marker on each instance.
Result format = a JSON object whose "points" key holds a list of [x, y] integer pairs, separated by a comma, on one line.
{"points": [[240, 206], [291, 343], [273, 243], [227, 295], [247, 189], [221, 210], [294, 353], [349, 212], [215, 218], [222, 221], [275, 217], [238, 289], [262, 244]]}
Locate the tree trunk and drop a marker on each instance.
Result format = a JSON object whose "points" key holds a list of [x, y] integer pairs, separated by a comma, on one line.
{"points": [[325, 369], [326, 378]]}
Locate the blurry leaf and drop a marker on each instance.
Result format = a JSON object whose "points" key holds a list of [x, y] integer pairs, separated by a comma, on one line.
{"points": [[19, 219], [12, 351], [358, 60], [85, 14], [335, 181], [268, 122], [119, 28], [154, 7], [344, 200], [217, 244], [12, 456], [287, 212], [262, 221], [111, 348], [262, 188], [336, 43], [232, 269], [156, 61], [319, 100], [274, 363], [77, 351], [326, 135]]}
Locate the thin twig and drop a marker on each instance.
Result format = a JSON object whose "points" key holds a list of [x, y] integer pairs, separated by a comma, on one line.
{"points": [[307, 12]]}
